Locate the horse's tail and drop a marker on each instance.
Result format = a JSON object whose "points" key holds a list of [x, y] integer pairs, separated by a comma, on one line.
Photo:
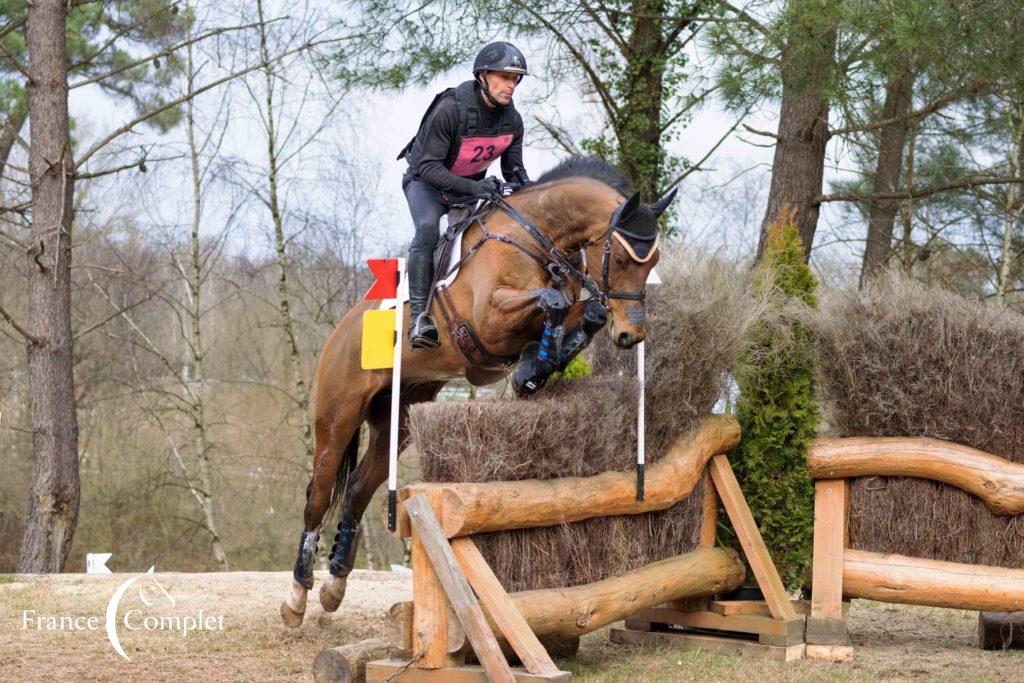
{"points": [[341, 480]]}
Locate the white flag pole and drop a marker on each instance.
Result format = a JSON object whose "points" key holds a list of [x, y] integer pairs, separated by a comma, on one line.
{"points": [[641, 426], [396, 377], [641, 446]]}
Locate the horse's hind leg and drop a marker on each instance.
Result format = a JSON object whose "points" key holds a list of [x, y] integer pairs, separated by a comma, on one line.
{"points": [[371, 473], [337, 444]]}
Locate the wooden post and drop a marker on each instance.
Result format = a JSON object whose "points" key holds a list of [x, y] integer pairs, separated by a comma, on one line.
{"points": [[500, 608], [709, 522], [427, 530], [430, 613], [826, 626], [750, 538]]}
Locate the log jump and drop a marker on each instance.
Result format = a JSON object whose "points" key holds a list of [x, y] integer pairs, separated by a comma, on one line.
{"points": [[841, 572], [459, 607]]}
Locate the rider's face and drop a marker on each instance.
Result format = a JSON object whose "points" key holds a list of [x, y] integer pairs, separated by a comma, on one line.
{"points": [[502, 85]]}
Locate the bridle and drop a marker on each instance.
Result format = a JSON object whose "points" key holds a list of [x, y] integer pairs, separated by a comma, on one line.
{"points": [[559, 265]]}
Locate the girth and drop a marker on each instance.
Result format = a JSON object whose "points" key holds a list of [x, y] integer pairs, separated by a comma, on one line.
{"points": [[466, 339]]}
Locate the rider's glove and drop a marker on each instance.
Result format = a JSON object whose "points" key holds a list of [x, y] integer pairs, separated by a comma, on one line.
{"points": [[487, 186]]}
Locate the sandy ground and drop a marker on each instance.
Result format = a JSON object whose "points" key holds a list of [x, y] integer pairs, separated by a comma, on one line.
{"points": [[54, 628]]}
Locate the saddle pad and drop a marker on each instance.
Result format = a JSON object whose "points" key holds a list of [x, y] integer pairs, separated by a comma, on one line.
{"points": [[454, 254]]}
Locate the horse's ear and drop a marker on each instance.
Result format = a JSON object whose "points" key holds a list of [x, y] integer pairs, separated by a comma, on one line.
{"points": [[659, 207], [629, 209]]}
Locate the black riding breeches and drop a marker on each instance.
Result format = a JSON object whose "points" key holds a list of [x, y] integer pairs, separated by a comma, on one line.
{"points": [[427, 205]]}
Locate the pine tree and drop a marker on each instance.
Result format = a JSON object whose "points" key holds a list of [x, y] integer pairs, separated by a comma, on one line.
{"points": [[776, 409]]}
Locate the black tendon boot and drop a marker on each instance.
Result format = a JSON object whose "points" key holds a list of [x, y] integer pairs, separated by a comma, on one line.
{"points": [[422, 330], [595, 316], [304, 564], [346, 545]]}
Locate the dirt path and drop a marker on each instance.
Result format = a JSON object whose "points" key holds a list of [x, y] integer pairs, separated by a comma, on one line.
{"points": [[239, 635]]}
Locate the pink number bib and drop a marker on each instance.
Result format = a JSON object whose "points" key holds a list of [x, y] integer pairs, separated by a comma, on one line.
{"points": [[477, 153]]}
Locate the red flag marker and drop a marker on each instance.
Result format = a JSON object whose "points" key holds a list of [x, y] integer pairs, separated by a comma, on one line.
{"points": [[386, 272]]}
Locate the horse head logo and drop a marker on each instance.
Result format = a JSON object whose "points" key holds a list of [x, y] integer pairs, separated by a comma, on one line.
{"points": [[155, 591]]}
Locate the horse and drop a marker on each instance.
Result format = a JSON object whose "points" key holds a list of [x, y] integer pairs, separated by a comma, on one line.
{"points": [[520, 280]]}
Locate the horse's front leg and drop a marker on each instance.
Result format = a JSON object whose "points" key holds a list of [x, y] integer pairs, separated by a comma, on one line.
{"points": [[595, 316], [540, 359]]}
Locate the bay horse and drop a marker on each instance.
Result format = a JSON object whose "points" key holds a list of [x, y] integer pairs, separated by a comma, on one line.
{"points": [[512, 291]]}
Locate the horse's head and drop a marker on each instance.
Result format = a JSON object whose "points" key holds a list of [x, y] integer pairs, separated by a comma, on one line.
{"points": [[627, 253]]}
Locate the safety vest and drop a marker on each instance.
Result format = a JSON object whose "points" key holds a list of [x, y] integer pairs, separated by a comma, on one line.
{"points": [[474, 148]]}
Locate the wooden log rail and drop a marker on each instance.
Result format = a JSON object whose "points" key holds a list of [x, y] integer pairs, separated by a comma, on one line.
{"points": [[466, 509], [996, 481], [840, 571], [915, 581]]}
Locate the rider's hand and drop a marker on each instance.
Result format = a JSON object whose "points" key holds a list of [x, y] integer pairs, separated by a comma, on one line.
{"points": [[487, 186]]}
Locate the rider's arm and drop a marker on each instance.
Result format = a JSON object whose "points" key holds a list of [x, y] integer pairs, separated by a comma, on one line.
{"points": [[438, 138], [512, 159]]}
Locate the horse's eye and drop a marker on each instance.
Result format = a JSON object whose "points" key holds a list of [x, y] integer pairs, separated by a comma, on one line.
{"points": [[619, 262]]}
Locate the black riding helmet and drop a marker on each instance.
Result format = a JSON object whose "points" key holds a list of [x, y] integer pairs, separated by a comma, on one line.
{"points": [[499, 56]]}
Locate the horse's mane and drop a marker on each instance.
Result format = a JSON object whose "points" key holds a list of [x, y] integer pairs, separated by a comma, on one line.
{"points": [[589, 167]]}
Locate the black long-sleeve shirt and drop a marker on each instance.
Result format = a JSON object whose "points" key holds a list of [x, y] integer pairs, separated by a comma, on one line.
{"points": [[435, 146]]}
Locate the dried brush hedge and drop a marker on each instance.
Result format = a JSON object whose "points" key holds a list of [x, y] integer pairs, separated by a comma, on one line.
{"points": [[587, 426], [902, 359]]}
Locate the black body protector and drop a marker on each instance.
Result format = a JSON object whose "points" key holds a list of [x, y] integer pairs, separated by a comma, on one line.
{"points": [[474, 148]]}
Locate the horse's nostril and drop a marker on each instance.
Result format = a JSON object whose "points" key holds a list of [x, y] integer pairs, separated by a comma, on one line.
{"points": [[623, 339]]}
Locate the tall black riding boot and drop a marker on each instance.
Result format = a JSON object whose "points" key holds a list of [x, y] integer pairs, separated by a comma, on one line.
{"points": [[422, 330]]}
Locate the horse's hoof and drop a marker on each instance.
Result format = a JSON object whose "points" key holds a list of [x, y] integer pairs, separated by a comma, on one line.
{"points": [[290, 617], [293, 608], [332, 592]]}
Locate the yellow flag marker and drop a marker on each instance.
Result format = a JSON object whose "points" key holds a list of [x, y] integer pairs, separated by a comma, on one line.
{"points": [[378, 339]]}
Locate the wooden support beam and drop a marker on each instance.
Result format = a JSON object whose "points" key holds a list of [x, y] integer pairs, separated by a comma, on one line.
{"points": [[493, 506], [826, 625], [709, 519], [500, 609], [997, 481], [427, 531], [750, 538], [430, 625], [758, 608], [773, 631], [914, 581]]}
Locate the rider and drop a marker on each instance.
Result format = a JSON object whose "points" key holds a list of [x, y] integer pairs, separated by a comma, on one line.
{"points": [[463, 131]]}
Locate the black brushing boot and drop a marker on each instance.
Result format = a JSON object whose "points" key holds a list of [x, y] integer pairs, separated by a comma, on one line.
{"points": [[422, 330], [346, 545], [304, 564]]}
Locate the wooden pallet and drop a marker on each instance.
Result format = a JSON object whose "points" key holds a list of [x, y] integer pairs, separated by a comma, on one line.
{"points": [[712, 643]]}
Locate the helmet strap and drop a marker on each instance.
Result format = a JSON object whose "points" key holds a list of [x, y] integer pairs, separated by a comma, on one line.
{"points": [[485, 89]]}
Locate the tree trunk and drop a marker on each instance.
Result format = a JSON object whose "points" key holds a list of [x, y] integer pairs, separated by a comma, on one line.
{"points": [[1011, 209], [52, 511], [197, 388], [274, 204], [9, 135], [891, 139], [639, 127], [799, 164]]}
